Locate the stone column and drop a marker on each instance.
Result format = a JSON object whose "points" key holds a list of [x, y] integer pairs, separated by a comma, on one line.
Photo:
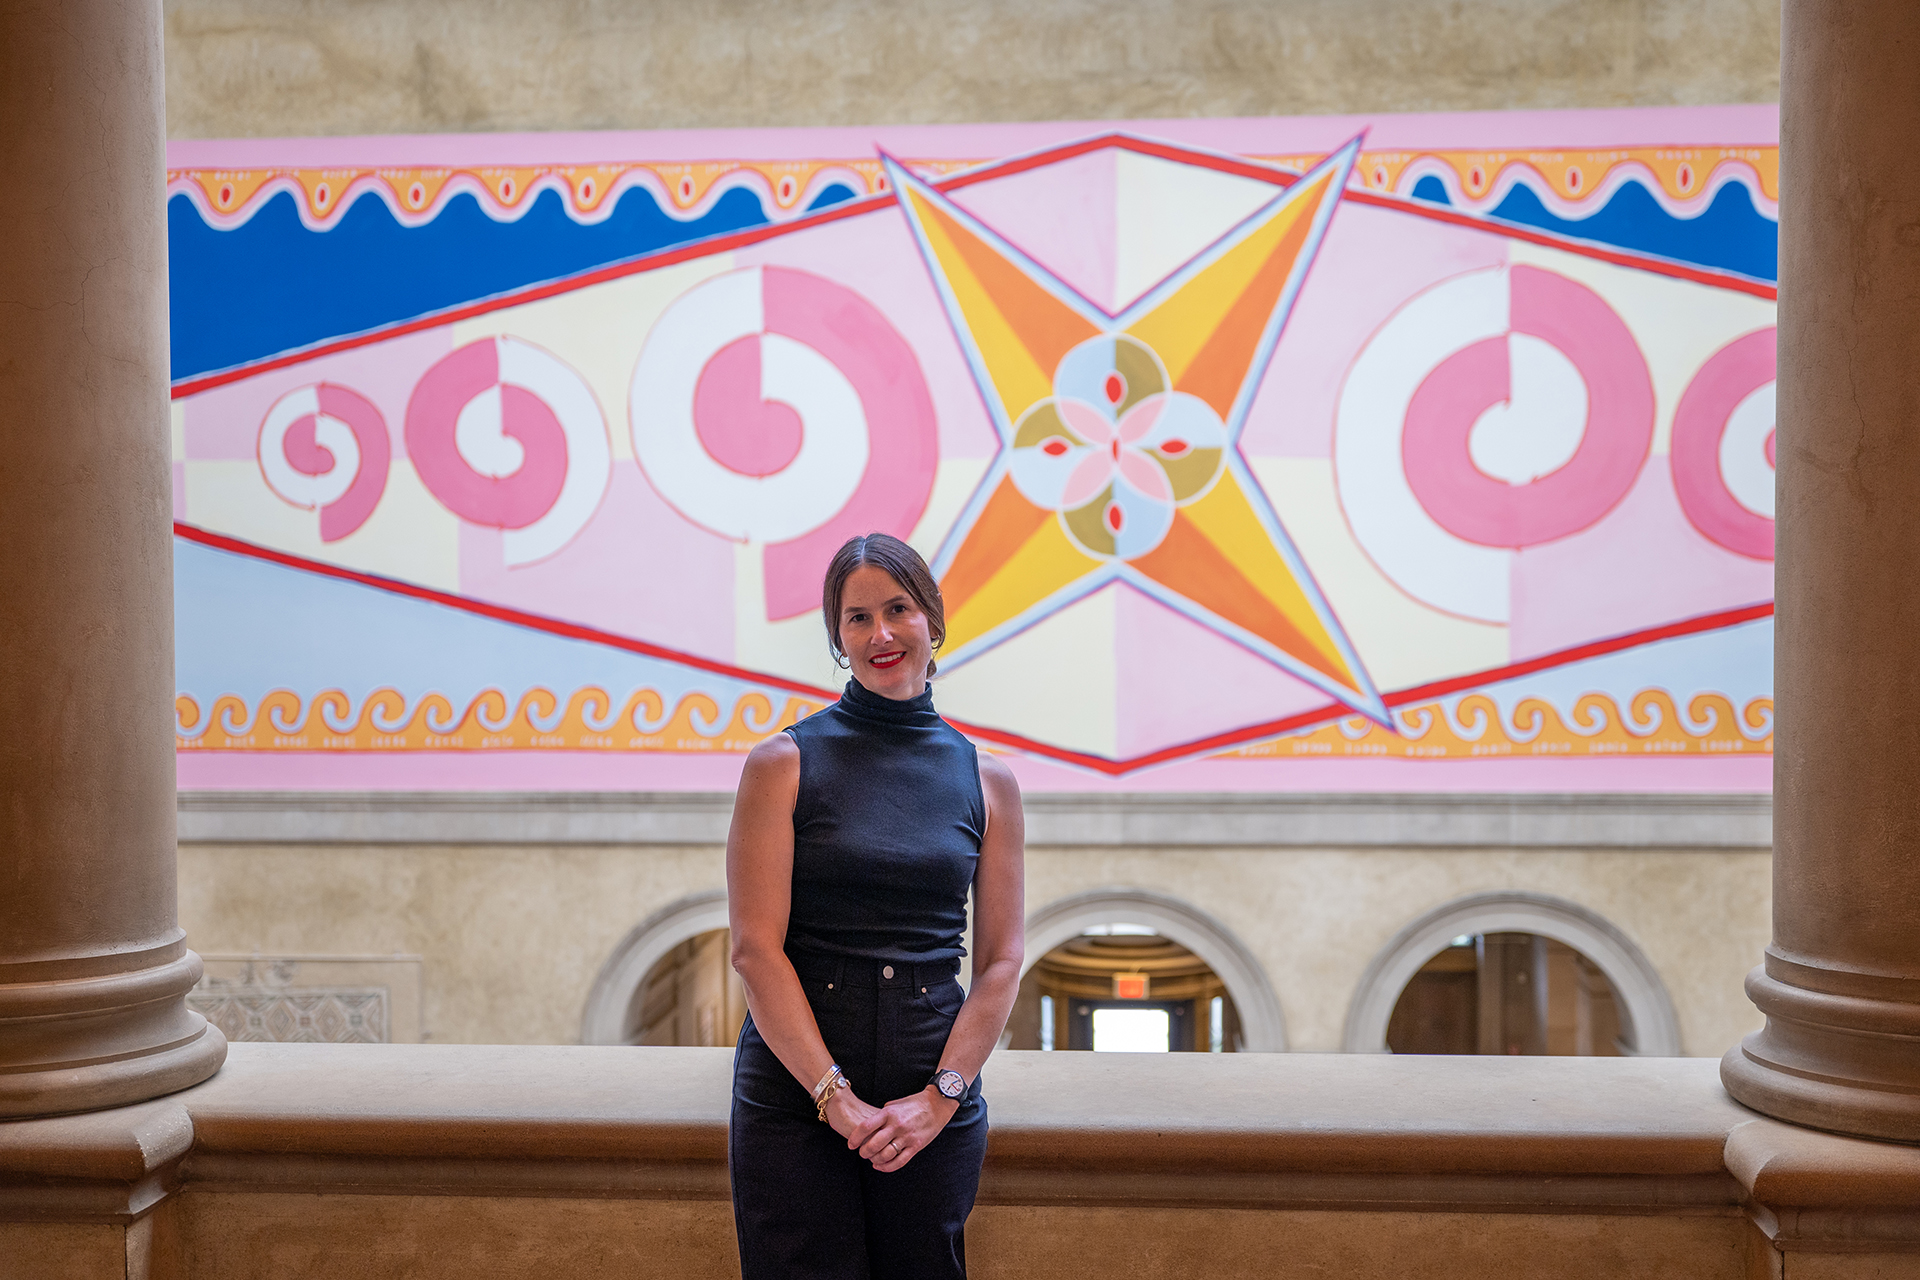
{"points": [[1841, 981], [94, 969]]}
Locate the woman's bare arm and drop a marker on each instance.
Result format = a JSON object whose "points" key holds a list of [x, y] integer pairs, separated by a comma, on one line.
{"points": [[999, 936], [999, 925], [759, 898]]}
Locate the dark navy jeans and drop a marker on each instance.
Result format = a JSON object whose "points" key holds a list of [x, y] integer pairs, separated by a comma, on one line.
{"points": [[804, 1205]]}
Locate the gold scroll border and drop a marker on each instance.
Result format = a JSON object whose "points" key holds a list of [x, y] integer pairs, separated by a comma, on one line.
{"points": [[282, 722], [1596, 727], [1473, 731]]}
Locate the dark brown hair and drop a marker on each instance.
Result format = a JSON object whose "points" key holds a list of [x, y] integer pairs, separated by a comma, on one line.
{"points": [[901, 563]]}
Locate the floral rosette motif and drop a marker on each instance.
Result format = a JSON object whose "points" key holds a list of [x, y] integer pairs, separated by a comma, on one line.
{"points": [[1113, 450]]}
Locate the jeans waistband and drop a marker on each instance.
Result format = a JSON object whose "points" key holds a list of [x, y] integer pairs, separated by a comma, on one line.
{"points": [[860, 971]]}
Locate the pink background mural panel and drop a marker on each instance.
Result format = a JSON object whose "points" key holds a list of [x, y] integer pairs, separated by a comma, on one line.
{"points": [[1440, 453]]}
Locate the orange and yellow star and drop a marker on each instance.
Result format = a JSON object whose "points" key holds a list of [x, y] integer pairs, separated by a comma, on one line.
{"points": [[1119, 453]]}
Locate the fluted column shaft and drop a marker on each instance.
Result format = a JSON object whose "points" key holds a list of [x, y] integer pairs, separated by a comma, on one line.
{"points": [[93, 967], [1840, 984]]}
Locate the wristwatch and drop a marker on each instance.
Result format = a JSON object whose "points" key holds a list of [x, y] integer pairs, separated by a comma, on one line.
{"points": [[950, 1083]]}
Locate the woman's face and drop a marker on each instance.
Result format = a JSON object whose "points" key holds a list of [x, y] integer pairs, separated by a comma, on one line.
{"points": [[884, 634]]}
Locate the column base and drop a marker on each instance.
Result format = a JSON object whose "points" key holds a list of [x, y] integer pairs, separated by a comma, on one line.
{"points": [[1840, 1051], [102, 1039]]}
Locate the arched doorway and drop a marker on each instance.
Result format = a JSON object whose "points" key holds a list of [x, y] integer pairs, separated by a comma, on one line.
{"points": [[691, 996], [1123, 987], [1257, 1023], [1526, 972], [1509, 993], [617, 1004], [616, 1009]]}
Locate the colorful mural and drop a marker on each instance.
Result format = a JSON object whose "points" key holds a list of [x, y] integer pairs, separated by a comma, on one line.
{"points": [[1429, 453]]}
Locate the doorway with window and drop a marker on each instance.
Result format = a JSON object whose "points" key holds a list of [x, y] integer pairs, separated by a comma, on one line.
{"points": [[1123, 988]]}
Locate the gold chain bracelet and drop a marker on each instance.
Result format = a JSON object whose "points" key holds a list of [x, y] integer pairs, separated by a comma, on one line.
{"points": [[833, 1083]]}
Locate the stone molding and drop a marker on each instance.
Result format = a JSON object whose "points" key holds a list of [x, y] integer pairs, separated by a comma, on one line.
{"points": [[1054, 819], [1643, 997], [1547, 1136], [454, 817], [1822, 1192], [98, 1166]]}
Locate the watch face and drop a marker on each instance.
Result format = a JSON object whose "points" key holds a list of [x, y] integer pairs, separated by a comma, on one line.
{"points": [[950, 1084]]}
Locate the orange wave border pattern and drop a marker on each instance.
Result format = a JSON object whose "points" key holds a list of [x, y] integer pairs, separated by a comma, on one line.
{"points": [[1474, 730], [282, 722], [1683, 173], [417, 192]]}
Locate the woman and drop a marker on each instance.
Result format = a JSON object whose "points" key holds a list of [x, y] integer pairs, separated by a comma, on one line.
{"points": [[858, 1127]]}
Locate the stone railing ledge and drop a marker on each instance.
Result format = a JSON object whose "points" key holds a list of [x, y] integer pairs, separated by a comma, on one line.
{"points": [[490, 1102], [1080, 1128], [1365, 1113], [1133, 1137], [102, 1166], [478, 1120], [1821, 1192], [1359, 1113]]}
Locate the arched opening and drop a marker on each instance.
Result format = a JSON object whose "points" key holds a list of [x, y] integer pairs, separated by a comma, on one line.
{"points": [[617, 1006], [1249, 1011], [691, 996], [1510, 993], [1511, 949], [616, 1011], [1123, 987]]}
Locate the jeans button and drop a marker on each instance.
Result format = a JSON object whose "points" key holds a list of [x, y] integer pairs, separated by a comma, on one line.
{"points": [[887, 972]]}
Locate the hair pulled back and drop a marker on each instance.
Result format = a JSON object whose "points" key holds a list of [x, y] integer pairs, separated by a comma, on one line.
{"points": [[901, 563]]}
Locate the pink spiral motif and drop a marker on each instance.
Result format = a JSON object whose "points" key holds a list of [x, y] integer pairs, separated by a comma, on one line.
{"points": [[1700, 423], [1479, 508], [505, 435], [325, 448], [512, 500], [777, 407]]}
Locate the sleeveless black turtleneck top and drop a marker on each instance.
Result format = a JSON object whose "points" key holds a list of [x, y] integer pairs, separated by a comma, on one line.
{"points": [[886, 830]]}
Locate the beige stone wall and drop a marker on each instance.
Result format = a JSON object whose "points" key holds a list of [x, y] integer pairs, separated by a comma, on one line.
{"points": [[1315, 919], [511, 937], [262, 68]]}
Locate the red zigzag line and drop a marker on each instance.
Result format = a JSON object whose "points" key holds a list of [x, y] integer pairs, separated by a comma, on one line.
{"points": [[998, 737]]}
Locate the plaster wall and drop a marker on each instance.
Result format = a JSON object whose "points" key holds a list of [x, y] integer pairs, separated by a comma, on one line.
{"points": [[512, 936], [265, 68]]}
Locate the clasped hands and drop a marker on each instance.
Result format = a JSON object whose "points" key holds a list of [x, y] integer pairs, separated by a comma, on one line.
{"points": [[887, 1137]]}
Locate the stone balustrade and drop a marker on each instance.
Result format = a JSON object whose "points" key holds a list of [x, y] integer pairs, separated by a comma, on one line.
{"points": [[445, 1160]]}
